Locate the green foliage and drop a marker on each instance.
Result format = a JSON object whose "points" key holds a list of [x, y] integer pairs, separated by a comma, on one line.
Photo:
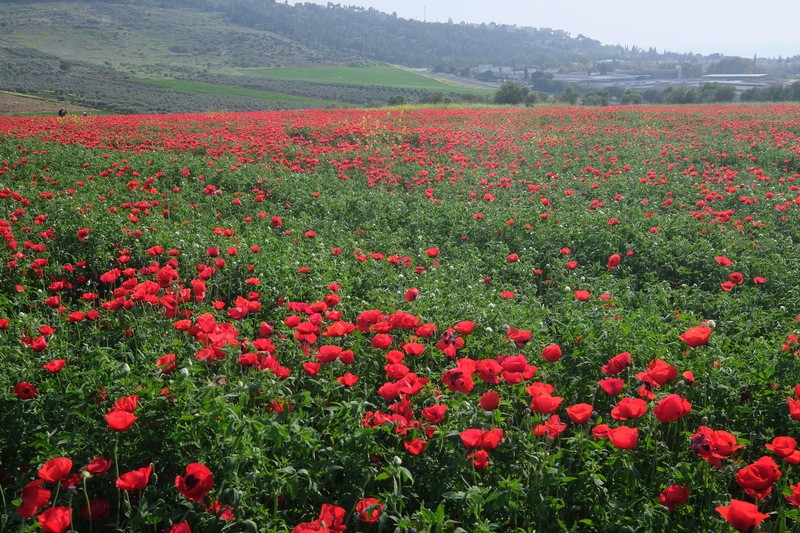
{"points": [[511, 92], [663, 187]]}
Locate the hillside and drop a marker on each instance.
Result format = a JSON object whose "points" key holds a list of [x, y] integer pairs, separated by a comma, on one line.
{"points": [[232, 55]]}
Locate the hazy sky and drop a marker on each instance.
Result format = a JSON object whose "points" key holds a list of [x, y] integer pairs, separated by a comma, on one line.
{"points": [[768, 28]]}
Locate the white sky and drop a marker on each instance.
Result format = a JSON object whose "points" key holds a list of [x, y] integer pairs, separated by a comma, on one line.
{"points": [[768, 28]]}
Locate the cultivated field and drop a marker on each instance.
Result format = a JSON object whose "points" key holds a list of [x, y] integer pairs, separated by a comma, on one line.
{"points": [[551, 319]]}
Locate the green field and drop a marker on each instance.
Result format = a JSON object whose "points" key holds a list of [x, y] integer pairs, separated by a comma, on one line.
{"points": [[383, 75], [227, 90]]}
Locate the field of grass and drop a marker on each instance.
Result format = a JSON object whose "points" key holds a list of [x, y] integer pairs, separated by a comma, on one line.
{"points": [[229, 90], [370, 75], [402, 320]]}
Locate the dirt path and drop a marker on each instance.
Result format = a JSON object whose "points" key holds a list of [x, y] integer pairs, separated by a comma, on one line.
{"points": [[12, 104]]}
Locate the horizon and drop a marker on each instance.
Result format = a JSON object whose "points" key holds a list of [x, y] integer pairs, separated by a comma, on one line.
{"points": [[626, 22]]}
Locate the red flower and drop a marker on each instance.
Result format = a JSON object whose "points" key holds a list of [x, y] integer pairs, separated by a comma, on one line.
{"points": [[696, 336], [722, 260], [518, 336], [743, 516], [24, 390], [489, 401], [135, 479], [120, 420], [794, 497], [180, 527], [757, 478], [617, 364], [713, 446], [480, 459], [552, 428], [785, 448], [55, 470], [369, 509], [481, 439], [580, 413], [126, 403], [435, 413], [658, 373], [348, 379], [196, 483], [629, 409], [98, 466], [624, 437], [411, 294], [415, 446], [673, 496], [432, 252], [34, 497], [582, 295], [55, 365], [611, 386], [55, 519], [613, 261], [794, 409], [672, 408], [551, 353]]}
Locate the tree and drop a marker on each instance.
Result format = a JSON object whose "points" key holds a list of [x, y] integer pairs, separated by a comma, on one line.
{"points": [[631, 97], [511, 92]]}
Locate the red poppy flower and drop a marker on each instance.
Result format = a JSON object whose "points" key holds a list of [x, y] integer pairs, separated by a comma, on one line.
{"points": [[411, 294], [672, 408], [551, 353], [55, 519], [98, 466], [696, 336], [24, 390], [126, 403], [348, 379], [617, 364], [794, 409], [135, 479], [369, 509], [786, 449], [794, 497], [582, 295], [415, 446], [480, 459], [624, 437], [722, 260], [713, 446], [658, 373], [196, 483], [552, 428], [613, 261], [628, 409], [673, 496], [34, 497], [120, 420], [743, 516], [180, 527], [55, 365], [611, 386], [54, 470], [757, 478], [432, 252], [435, 413], [489, 401], [580, 413], [518, 336]]}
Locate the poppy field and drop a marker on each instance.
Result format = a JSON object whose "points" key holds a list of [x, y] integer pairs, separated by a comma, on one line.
{"points": [[548, 319]]}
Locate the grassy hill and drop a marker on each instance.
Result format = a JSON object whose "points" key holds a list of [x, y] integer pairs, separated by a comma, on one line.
{"points": [[126, 58]]}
